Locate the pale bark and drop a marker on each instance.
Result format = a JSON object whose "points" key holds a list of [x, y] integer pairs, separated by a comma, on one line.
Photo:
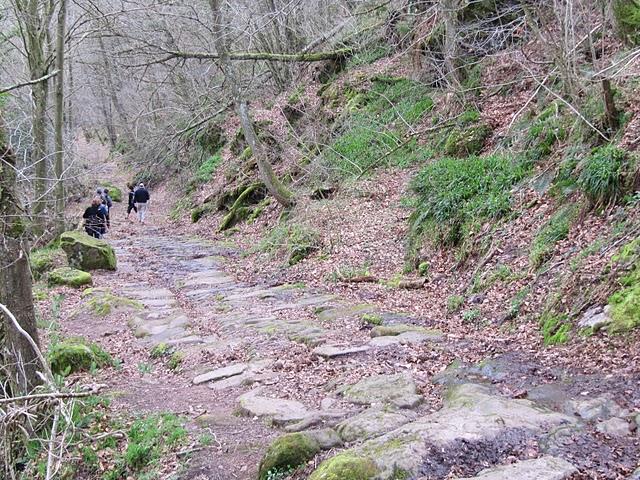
{"points": [[59, 117]]}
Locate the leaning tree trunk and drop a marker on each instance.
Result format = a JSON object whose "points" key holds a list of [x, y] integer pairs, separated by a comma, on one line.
{"points": [[17, 354], [271, 181], [59, 119]]}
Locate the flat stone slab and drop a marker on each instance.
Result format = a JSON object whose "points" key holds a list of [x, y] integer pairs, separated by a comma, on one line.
{"points": [[399, 390], [543, 468], [406, 338], [332, 351], [400, 328], [472, 417], [370, 424], [278, 410], [220, 373]]}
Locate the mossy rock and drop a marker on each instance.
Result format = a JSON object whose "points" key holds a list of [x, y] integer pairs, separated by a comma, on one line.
{"points": [[87, 253], [399, 329], [288, 451], [627, 14], [69, 277], [114, 192], [76, 355], [625, 303], [345, 466], [463, 142], [43, 260], [102, 302], [201, 211]]}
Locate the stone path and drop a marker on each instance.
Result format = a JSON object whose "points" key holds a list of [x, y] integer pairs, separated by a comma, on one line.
{"points": [[379, 420]]}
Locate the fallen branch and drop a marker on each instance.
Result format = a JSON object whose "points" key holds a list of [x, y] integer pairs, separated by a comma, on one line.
{"points": [[272, 57], [51, 396], [412, 284], [360, 279]]}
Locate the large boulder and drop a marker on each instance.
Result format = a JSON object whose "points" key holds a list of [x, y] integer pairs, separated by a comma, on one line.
{"points": [[87, 253]]}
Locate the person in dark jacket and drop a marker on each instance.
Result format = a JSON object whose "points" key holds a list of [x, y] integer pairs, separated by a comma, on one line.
{"points": [[141, 198], [109, 203], [132, 203], [95, 218]]}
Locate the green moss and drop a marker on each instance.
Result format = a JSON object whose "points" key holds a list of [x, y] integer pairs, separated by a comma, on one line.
{"points": [[296, 240], [87, 253], [371, 319], [201, 211], [42, 260], [398, 329], [160, 350], [286, 452], [69, 277], [625, 303], [555, 328], [345, 466], [75, 355], [103, 302], [463, 142], [423, 269]]}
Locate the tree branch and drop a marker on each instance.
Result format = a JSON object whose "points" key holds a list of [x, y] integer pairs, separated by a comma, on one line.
{"points": [[30, 82], [274, 57]]}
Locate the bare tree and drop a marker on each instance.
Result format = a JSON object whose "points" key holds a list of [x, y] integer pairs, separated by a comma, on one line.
{"points": [[17, 352], [59, 117]]}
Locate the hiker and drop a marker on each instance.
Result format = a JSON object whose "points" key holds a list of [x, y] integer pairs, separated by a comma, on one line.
{"points": [[109, 203], [132, 204], [141, 198], [94, 218]]}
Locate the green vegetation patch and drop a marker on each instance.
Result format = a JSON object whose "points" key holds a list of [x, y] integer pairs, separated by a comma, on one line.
{"points": [[77, 354], [114, 192], [627, 14], [148, 439], [42, 260], [602, 174], [454, 302], [556, 229], [345, 466], [70, 277], [296, 240], [373, 135], [465, 141], [555, 328], [208, 167], [287, 452], [625, 303], [102, 302], [546, 130], [454, 194]]}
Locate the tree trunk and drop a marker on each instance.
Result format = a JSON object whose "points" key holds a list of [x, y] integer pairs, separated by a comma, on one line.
{"points": [[16, 353], [449, 10], [113, 95], [611, 112], [59, 118], [271, 181]]}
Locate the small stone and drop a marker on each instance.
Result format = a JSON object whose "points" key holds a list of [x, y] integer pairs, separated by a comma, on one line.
{"points": [[280, 411], [331, 351], [616, 427], [601, 407], [220, 373]]}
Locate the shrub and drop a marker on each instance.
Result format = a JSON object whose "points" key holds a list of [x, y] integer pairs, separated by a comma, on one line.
{"points": [[456, 193], [627, 14], [547, 129], [463, 142], [602, 174], [556, 229], [377, 125], [471, 315]]}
